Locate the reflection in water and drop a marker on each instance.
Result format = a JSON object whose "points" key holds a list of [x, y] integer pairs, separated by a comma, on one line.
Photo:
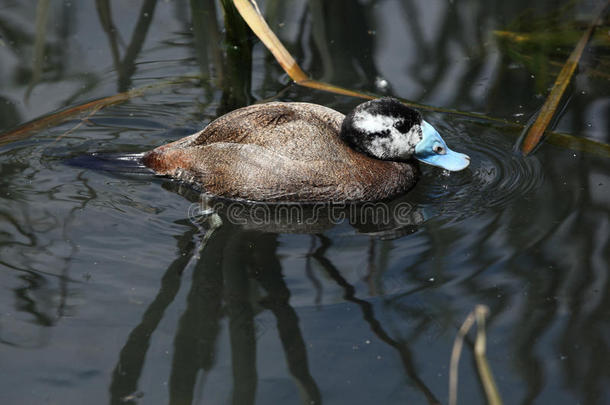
{"points": [[527, 237], [228, 273], [223, 284], [126, 67], [389, 220], [131, 358], [369, 316], [38, 241], [268, 272]]}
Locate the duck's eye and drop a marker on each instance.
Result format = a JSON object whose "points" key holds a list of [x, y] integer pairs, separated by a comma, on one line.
{"points": [[401, 126], [438, 149]]}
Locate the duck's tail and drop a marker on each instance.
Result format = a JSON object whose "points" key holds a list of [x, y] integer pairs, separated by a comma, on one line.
{"points": [[111, 162]]}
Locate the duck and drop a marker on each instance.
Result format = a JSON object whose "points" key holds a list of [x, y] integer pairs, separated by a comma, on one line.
{"points": [[302, 152]]}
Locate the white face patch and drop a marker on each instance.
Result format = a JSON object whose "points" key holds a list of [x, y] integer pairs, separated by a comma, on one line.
{"points": [[367, 122], [394, 145]]}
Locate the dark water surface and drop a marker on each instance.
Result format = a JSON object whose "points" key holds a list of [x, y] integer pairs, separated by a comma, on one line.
{"points": [[108, 293]]}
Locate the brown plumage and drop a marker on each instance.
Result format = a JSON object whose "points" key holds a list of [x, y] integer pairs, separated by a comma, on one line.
{"points": [[280, 152]]}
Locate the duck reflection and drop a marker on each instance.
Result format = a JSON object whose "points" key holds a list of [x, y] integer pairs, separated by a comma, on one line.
{"points": [[384, 219], [231, 266]]}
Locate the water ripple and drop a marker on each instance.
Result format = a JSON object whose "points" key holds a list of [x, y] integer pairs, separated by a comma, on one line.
{"points": [[496, 177]]}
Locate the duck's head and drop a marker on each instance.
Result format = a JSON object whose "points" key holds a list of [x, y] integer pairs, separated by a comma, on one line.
{"points": [[387, 129]]}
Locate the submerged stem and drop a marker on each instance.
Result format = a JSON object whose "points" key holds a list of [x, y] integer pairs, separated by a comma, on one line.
{"points": [[549, 108]]}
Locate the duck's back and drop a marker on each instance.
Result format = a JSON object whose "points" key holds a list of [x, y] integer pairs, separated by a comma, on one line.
{"points": [[299, 131], [279, 152]]}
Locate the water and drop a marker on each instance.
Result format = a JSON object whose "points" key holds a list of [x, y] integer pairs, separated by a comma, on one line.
{"points": [[110, 295]]}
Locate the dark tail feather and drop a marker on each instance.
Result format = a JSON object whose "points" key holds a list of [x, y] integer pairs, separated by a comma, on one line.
{"points": [[111, 162]]}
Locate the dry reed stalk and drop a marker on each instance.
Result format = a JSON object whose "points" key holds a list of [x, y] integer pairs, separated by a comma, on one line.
{"points": [[549, 108], [491, 391]]}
